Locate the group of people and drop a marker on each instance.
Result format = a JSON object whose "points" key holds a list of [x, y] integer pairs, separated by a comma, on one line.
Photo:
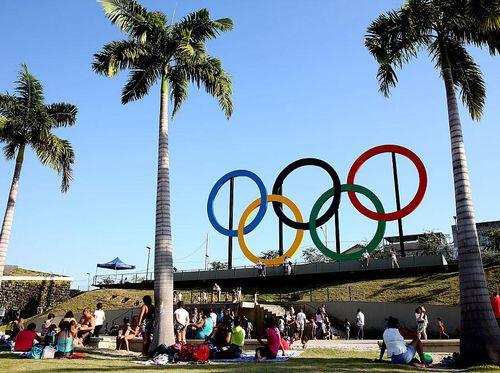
{"points": [[58, 339], [235, 295], [262, 268]]}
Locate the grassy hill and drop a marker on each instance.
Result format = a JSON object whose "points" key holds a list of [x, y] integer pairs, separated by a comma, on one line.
{"points": [[439, 288]]}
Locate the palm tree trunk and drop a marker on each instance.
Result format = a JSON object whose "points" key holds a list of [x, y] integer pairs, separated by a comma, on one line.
{"points": [[163, 264], [9, 211], [479, 332]]}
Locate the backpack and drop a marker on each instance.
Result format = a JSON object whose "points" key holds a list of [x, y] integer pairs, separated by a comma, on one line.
{"points": [[36, 352], [201, 353]]}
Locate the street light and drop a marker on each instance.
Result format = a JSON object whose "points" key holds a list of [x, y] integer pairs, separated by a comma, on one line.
{"points": [[147, 265], [88, 281]]}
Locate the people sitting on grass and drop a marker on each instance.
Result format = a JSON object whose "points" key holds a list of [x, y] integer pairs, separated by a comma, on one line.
{"points": [[14, 327], [129, 332], [204, 326], [270, 349], [397, 350], [50, 335], [221, 334], [46, 324], [25, 338], [70, 318], [146, 322], [65, 340], [236, 342], [87, 325]]}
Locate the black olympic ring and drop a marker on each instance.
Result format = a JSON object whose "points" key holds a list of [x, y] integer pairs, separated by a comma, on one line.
{"points": [[278, 184]]}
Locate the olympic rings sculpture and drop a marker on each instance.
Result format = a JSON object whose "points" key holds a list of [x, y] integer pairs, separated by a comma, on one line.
{"points": [[334, 193]]}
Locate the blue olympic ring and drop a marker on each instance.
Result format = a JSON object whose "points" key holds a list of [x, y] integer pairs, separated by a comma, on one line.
{"points": [[213, 193]]}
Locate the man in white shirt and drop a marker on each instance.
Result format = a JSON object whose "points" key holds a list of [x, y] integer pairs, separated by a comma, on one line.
{"points": [[397, 350], [360, 323], [365, 259], [300, 320], [99, 316], [213, 315], [181, 318]]}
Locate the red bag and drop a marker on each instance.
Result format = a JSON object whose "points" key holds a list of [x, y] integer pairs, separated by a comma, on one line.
{"points": [[186, 353], [201, 353]]}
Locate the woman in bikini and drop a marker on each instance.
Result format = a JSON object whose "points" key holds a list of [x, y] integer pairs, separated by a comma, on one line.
{"points": [[146, 322]]}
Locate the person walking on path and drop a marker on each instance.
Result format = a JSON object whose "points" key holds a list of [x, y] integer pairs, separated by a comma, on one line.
{"points": [[100, 317], [422, 322], [347, 328], [300, 321], [360, 323], [441, 328]]}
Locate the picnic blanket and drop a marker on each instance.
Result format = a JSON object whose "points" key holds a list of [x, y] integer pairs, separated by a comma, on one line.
{"points": [[250, 358]]}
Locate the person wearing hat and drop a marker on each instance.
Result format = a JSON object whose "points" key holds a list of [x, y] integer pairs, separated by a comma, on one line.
{"points": [[397, 349]]}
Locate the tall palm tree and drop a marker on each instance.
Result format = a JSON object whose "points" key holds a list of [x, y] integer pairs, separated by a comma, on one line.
{"points": [[445, 28], [25, 120], [174, 55]]}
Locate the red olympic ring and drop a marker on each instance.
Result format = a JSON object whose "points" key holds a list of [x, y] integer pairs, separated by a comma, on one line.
{"points": [[408, 209]]}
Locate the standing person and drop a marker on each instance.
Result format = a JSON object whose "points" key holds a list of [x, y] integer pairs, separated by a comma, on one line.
{"points": [[347, 328], [179, 296], [100, 317], [319, 319], [87, 325], [248, 326], [312, 329], [181, 321], [397, 350], [213, 315], [216, 290], [360, 323], [287, 263], [300, 321], [46, 324], [176, 299], [204, 297], [495, 304], [264, 269], [239, 295], [258, 265], [422, 322], [441, 329], [365, 259], [270, 349], [146, 322], [394, 260]]}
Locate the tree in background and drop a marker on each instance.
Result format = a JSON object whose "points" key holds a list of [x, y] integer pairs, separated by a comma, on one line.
{"points": [[313, 255], [493, 239], [444, 28], [173, 55], [269, 254], [432, 243], [216, 265], [25, 120]]}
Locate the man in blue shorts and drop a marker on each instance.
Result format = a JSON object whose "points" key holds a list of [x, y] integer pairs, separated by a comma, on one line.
{"points": [[397, 349]]}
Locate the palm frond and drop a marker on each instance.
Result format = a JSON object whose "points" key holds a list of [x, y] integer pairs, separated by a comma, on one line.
{"points": [[10, 105], [10, 150], [58, 154], [394, 38], [117, 55], [131, 18], [29, 88], [62, 114], [208, 72], [178, 82], [201, 26], [140, 80]]}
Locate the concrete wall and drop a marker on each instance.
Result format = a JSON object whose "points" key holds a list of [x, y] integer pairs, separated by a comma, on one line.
{"points": [[31, 296], [376, 312]]}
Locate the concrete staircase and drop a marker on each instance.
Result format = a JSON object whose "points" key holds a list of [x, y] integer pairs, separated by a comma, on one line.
{"points": [[272, 310]]}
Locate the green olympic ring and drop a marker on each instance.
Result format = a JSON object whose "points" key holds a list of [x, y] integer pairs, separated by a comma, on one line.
{"points": [[379, 234]]}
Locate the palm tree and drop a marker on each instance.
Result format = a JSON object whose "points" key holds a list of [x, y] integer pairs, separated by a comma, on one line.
{"points": [[174, 55], [25, 120], [445, 28]]}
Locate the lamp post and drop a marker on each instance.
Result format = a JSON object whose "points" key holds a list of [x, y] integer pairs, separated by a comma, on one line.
{"points": [[88, 281], [147, 265]]}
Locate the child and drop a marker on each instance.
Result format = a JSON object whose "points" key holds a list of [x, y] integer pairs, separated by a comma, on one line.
{"points": [[441, 328], [347, 327]]}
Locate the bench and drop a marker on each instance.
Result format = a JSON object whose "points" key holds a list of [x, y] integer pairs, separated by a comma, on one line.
{"points": [[437, 345]]}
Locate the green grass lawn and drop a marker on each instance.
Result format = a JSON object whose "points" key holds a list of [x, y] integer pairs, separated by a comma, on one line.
{"points": [[309, 361]]}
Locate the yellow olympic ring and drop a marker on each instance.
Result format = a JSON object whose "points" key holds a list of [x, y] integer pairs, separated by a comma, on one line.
{"points": [[296, 242]]}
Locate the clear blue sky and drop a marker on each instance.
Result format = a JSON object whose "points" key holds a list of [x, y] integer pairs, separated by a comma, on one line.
{"points": [[304, 85]]}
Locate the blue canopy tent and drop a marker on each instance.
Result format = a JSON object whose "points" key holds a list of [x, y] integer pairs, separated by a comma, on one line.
{"points": [[115, 264]]}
